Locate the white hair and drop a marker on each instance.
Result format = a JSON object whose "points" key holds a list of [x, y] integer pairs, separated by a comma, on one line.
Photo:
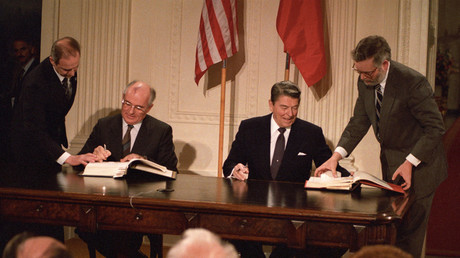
{"points": [[202, 243]]}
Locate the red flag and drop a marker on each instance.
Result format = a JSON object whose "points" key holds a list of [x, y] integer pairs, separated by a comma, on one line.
{"points": [[300, 26], [217, 36]]}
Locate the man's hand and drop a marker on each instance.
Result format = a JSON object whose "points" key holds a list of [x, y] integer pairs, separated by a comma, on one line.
{"points": [[405, 171], [82, 159], [101, 153], [131, 156], [329, 165], [240, 172]]}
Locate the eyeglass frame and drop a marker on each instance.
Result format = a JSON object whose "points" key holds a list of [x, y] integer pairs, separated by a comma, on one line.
{"points": [[130, 105], [367, 74]]}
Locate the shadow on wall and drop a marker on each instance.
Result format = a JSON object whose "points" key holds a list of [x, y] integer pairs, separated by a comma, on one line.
{"points": [[92, 120], [187, 152], [79, 141]]}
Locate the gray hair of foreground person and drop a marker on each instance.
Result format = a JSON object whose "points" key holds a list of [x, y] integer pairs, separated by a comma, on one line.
{"points": [[381, 251], [27, 245], [202, 243]]}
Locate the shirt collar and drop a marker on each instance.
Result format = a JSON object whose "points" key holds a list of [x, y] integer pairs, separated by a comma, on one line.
{"points": [[384, 82], [274, 126], [136, 126], [27, 66], [61, 78]]}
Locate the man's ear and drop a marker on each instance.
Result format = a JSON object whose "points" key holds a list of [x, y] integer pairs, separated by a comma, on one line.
{"points": [[385, 65], [148, 108], [270, 105], [52, 61]]}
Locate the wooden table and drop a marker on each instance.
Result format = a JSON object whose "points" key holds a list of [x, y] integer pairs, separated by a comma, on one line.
{"points": [[271, 212]]}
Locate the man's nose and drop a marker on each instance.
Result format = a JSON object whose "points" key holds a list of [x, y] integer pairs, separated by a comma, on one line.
{"points": [[132, 109], [71, 73]]}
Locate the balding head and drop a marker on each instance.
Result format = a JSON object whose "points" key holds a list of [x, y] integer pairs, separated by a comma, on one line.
{"points": [[26, 245], [137, 101], [41, 247]]}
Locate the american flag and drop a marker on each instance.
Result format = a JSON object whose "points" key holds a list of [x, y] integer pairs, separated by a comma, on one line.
{"points": [[217, 35]]}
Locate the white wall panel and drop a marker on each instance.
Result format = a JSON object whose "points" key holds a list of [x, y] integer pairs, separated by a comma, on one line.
{"points": [[155, 40]]}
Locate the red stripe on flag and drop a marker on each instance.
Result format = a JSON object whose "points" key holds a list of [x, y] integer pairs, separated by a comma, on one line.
{"points": [[300, 26], [217, 35], [233, 23], [216, 30], [205, 47]]}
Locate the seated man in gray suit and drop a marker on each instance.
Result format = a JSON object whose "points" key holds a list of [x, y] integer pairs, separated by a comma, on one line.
{"points": [[254, 154], [131, 134]]}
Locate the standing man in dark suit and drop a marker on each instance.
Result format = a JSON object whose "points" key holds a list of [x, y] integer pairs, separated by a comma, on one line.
{"points": [[149, 138], [398, 103], [254, 153], [25, 60], [48, 92], [24, 52]]}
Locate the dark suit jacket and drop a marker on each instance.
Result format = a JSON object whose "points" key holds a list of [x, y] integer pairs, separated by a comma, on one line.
{"points": [[10, 88], [16, 91], [39, 116], [252, 147], [410, 122], [154, 140]]}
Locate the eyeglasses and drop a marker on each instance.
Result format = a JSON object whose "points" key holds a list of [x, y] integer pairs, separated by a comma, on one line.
{"points": [[367, 74], [130, 105]]}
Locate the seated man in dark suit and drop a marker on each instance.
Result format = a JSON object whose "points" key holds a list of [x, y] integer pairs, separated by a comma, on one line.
{"points": [[255, 153], [131, 134]]}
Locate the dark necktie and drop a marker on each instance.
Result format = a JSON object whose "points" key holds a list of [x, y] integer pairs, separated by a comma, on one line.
{"points": [[378, 104], [67, 87], [21, 75], [17, 88], [126, 142], [278, 153]]}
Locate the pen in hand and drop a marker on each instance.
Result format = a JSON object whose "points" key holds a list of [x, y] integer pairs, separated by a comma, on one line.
{"points": [[105, 153], [242, 171]]}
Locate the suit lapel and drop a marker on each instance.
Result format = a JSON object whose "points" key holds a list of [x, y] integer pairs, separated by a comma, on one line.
{"points": [[367, 95], [115, 135], [389, 97], [292, 146], [143, 131], [293, 142], [263, 139]]}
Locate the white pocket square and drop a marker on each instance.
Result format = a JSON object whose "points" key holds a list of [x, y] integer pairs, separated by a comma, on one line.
{"points": [[301, 154]]}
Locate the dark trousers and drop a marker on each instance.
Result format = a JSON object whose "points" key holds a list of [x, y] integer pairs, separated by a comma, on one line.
{"points": [[411, 232]]}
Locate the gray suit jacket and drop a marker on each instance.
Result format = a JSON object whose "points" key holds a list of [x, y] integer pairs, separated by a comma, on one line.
{"points": [[410, 122]]}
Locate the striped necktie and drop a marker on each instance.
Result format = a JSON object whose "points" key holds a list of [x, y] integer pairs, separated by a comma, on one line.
{"points": [[66, 84], [126, 142], [378, 104]]}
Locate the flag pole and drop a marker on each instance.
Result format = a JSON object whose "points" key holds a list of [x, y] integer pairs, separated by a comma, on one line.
{"points": [[286, 71], [222, 116]]}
